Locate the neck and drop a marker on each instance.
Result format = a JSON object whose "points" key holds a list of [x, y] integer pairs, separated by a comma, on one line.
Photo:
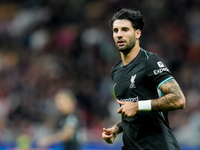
{"points": [[128, 57]]}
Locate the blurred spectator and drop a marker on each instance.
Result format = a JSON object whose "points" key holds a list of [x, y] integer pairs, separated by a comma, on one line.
{"points": [[66, 103]]}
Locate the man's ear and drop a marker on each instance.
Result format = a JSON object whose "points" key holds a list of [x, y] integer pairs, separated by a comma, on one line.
{"points": [[137, 33]]}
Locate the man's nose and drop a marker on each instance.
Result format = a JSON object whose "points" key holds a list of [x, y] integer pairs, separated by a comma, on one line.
{"points": [[119, 35]]}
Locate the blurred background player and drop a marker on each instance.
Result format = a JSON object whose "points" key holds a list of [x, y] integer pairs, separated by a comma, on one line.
{"points": [[66, 102]]}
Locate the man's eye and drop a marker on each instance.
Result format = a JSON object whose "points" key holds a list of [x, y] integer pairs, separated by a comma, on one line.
{"points": [[125, 29], [115, 30]]}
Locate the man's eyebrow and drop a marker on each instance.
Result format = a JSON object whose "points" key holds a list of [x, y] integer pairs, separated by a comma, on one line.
{"points": [[125, 27]]}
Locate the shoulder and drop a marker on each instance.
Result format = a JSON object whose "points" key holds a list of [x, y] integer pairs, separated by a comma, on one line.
{"points": [[153, 61], [149, 55], [71, 120], [116, 67]]}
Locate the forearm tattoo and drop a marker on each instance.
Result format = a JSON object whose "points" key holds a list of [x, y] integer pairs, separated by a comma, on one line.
{"points": [[172, 99]]}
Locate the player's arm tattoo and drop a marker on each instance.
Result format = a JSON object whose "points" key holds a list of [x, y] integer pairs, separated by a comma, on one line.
{"points": [[173, 97]]}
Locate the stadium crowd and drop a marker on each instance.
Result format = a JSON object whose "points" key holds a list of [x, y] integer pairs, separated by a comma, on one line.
{"points": [[47, 45]]}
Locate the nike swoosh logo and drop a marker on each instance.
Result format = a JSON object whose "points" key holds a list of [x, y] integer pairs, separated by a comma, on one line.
{"points": [[114, 85]]}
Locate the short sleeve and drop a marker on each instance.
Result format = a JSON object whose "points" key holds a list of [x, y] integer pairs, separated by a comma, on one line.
{"points": [[157, 70]]}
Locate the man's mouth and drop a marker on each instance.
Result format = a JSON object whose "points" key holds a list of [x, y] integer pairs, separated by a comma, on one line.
{"points": [[120, 42]]}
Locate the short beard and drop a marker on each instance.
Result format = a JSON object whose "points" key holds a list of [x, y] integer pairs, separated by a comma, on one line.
{"points": [[126, 49]]}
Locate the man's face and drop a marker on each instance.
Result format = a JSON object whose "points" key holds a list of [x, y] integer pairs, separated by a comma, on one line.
{"points": [[64, 103], [124, 35]]}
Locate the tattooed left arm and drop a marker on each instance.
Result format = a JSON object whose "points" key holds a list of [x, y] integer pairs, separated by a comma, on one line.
{"points": [[173, 98]]}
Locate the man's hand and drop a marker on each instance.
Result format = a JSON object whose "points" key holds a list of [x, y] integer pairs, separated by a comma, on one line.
{"points": [[109, 134], [128, 109]]}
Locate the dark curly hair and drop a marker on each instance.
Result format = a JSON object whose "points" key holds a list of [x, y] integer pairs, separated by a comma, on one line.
{"points": [[134, 16]]}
